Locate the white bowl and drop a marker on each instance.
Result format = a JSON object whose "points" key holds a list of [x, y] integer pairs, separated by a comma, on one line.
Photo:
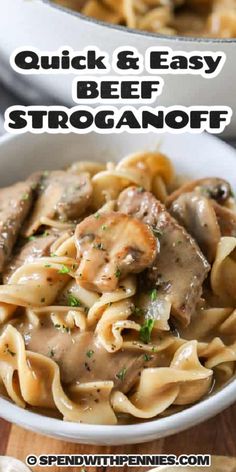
{"points": [[41, 24], [196, 156]]}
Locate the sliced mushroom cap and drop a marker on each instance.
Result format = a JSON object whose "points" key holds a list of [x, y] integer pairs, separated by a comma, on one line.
{"points": [[213, 188], [196, 213], [111, 245]]}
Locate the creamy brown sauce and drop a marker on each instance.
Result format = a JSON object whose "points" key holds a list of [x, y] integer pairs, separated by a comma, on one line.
{"points": [[126, 294], [82, 358]]}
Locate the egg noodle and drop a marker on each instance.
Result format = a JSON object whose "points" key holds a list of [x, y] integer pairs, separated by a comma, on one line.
{"points": [[86, 337]]}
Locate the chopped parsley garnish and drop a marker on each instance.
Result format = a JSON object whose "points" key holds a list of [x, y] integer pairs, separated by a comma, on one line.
{"points": [[63, 328], [53, 254], [90, 353], [52, 353], [31, 238], [121, 374], [157, 232], [140, 189], [99, 246], [153, 295], [118, 273], [97, 215], [64, 270], [45, 234], [73, 301], [25, 196], [47, 265], [146, 331], [147, 357], [104, 227]]}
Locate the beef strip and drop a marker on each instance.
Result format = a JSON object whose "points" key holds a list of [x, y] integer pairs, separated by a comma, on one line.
{"points": [[82, 358], [28, 252], [15, 204], [180, 267], [62, 196], [196, 213]]}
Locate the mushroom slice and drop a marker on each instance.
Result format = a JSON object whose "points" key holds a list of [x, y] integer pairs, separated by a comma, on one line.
{"points": [[196, 213], [213, 188], [110, 246]]}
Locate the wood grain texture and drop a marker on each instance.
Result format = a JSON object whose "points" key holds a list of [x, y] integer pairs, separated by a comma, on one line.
{"points": [[216, 436]]}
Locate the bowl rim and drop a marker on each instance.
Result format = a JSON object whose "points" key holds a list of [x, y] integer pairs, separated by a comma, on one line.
{"points": [[160, 427], [119, 434], [133, 31]]}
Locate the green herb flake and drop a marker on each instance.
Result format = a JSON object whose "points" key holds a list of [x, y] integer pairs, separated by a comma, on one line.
{"points": [[90, 353], [99, 246], [63, 328], [31, 238], [146, 331], [73, 301], [147, 358], [121, 374], [25, 196], [104, 227], [45, 234], [97, 215], [117, 273], [153, 295], [64, 270], [47, 265], [157, 232], [51, 353]]}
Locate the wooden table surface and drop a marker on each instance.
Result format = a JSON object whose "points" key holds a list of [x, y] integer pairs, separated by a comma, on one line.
{"points": [[216, 436]]}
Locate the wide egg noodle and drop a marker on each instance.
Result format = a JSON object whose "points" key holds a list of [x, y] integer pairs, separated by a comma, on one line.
{"points": [[181, 364], [160, 387], [38, 384]]}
